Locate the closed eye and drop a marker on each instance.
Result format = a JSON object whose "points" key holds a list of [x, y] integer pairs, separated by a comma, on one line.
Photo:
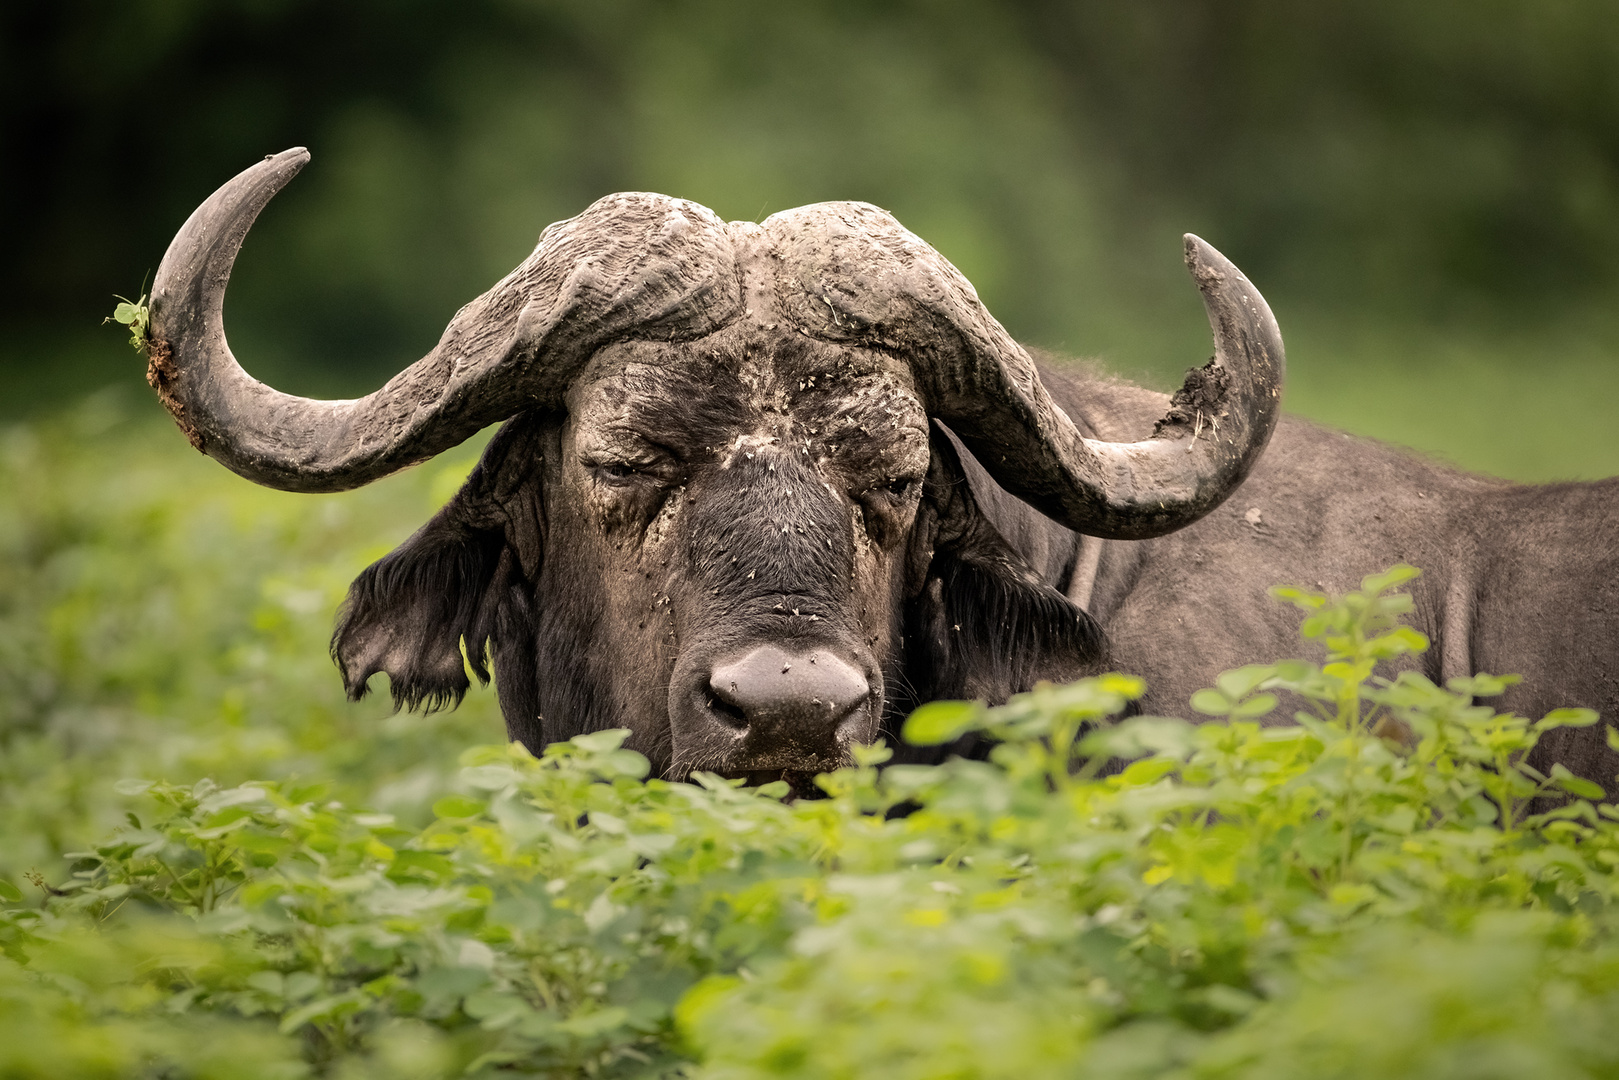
{"points": [[616, 471], [896, 489]]}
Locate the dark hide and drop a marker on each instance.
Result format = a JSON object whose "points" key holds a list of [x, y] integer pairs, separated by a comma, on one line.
{"points": [[983, 624], [408, 613], [458, 579], [720, 438], [964, 614], [1517, 579]]}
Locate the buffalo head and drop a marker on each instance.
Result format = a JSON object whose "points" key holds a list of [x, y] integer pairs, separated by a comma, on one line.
{"points": [[728, 507]]}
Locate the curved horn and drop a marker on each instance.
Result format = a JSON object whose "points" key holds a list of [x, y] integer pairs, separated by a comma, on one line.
{"points": [[853, 273], [630, 264]]}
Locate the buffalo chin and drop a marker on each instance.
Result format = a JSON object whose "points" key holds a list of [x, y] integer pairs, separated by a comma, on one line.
{"points": [[774, 763]]}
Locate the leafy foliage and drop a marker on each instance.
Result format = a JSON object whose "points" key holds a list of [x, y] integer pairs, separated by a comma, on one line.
{"points": [[164, 619], [136, 315], [1375, 889]]}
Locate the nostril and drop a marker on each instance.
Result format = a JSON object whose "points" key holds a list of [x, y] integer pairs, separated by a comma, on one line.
{"points": [[725, 710]]}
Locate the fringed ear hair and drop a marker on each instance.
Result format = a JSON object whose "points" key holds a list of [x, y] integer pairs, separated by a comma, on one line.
{"points": [[409, 613], [981, 623]]}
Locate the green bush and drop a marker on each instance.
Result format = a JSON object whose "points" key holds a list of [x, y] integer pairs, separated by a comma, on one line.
{"points": [[159, 616], [1375, 890]]}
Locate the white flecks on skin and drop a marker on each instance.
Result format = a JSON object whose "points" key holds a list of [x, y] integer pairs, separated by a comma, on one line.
{"points": [[662, 528], [855, 425], [746, 446], [857, 526]]}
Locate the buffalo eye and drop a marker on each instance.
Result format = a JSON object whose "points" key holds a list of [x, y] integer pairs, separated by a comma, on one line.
{"points": [[896, 488], [615, 470], [650, 468], [888, 506]]}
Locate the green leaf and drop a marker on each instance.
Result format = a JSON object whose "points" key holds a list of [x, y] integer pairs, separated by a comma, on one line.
{"points": [[1398, 642], [1393, 577], [595, 1023], [1315, 626], [1211, 703], [272, 983], [1240, 682], [1140, 735], [1576, 785], [9, 892], [601, 742], [1561, 718], [496, 1008], [608, 823], [1299, 598], [941, 721], [237, 796], [458, 806], [1258, 705], [1482, 685], [490, 777], [420, 865], [870, 755], [328, 1008], [1126, 686], [135, 315], [1295, 671]]}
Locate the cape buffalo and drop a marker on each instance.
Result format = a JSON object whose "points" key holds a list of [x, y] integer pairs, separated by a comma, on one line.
{"points": [[764, 487]]}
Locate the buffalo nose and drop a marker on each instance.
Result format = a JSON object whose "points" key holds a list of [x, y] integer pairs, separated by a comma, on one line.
{"points": [[812, 692]]}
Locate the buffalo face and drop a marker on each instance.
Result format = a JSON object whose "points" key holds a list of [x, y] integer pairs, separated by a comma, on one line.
{"points": [[728, 509], [735, 552]]}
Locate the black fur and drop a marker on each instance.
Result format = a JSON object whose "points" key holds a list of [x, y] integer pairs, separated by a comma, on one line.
{"points": [[408, 613], [985, 627], [457, 580], [514, 647], [981, 624], [976, 620], [1518, 579]]}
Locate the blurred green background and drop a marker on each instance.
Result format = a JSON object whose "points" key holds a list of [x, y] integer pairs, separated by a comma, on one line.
{"points": [[1428, 193]]}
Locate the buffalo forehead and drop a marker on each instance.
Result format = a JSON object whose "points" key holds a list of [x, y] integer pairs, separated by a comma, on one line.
{"points": [[695, 397]]}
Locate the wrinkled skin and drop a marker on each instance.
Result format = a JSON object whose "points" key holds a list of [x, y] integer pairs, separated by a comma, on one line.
{"points": [[596, 644], [697, 503], [718, 514], [716, 505], [1517, 578], [729, 507]]}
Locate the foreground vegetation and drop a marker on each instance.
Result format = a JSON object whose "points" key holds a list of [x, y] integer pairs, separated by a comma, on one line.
{"points": [[214, 867]]}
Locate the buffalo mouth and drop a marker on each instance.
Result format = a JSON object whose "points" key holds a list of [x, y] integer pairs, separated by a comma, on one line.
{"points": [[797, 766]]}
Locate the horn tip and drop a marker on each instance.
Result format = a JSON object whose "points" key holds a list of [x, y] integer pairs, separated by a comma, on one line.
{"points": [[291, 159], [1208, 267], [1200, 254]]}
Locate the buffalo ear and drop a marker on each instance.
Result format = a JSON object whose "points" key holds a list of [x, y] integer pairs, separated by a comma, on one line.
{"points": [[981, 623], [408, 613]]}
